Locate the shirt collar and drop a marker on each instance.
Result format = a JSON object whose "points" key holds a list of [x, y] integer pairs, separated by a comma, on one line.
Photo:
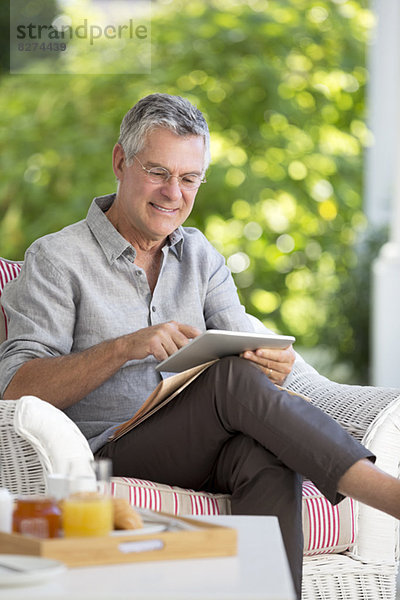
{"points": [[175, 241], [112, 242]]}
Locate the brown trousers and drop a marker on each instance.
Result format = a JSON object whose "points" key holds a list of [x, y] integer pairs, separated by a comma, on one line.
{"points": [[234, 431]]}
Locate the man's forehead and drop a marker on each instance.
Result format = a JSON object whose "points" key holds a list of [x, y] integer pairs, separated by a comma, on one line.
{"points": [[158, 135], [161, 144]]}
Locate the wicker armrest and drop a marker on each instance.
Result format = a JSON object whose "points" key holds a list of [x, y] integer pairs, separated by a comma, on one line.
{"points": [[355, 407]]}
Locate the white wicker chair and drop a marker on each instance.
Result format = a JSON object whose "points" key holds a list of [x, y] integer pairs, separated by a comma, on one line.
{"points": [[372, 415], [367, 572]]}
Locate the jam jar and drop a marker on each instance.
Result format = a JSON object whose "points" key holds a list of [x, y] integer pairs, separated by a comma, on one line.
{"points": [[37, 516]]}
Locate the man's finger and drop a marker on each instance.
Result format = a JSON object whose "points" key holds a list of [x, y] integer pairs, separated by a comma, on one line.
{"points": [[189, 331], [274, 354]]}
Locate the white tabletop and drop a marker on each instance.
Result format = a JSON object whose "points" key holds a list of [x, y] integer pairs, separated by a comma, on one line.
{"points": [[259, 572]]}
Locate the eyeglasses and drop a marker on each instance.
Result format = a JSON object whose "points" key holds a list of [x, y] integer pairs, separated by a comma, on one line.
{"points": [[189, 181]]}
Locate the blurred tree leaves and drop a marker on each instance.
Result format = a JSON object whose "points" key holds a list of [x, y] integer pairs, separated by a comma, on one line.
{"points": [[282, 84]]}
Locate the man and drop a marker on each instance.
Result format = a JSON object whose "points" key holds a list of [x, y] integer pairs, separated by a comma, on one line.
{"points": [[99, 303]]}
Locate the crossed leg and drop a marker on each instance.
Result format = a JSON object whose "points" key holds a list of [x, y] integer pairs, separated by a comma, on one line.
{"points": [[233, 431]]}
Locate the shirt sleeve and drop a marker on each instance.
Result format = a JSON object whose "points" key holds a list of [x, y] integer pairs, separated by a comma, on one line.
{"points": [[40, 309]]}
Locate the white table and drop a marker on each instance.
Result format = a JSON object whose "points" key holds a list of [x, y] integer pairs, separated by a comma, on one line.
{"points": [[259, 572]]}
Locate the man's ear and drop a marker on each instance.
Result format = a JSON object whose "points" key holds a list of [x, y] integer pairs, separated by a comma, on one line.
{"points": [[118, 161]]}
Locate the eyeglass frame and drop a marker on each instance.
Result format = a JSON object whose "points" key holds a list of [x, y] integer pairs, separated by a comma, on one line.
{"points": [[169, 176]]}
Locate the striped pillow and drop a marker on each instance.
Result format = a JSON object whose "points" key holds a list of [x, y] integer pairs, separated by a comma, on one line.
{"points": [[327, 529], [170, 499], [9, 270]]}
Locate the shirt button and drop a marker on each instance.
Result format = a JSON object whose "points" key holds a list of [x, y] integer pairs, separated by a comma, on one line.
{"points": [[153, 308]]}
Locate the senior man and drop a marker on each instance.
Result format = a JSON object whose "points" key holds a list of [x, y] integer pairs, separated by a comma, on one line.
{"points": [[99, 303]]}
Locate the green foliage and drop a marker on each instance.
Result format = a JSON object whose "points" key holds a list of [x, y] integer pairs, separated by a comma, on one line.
{"points": [[282, 84]]}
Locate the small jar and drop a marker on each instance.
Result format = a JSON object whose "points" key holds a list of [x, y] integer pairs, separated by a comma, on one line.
{"points": [[37, 516]]}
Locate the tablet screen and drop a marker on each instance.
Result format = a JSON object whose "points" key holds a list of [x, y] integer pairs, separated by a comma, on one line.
{"points": [[216, 343]]}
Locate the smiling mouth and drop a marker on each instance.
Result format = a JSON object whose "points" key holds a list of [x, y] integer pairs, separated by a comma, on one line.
{"points": [[162, 209]]}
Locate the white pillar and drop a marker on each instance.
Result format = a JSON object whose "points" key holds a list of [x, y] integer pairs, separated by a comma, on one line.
{"points": [[386, 317], [383, 111], [386, 268]]}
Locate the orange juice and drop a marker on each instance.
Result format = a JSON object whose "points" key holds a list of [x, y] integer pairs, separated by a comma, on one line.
{"points": [[87, 514]]}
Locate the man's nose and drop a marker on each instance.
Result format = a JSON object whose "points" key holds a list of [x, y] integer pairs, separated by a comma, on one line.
{"points": [[172, 188]]}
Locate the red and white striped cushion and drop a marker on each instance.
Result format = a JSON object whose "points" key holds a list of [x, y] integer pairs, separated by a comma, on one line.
{"points": [[326, 528], [168, 498], [9, 270]]}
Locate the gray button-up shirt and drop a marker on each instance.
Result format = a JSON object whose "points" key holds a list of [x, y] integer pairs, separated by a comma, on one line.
{"points": [[81, 286]]}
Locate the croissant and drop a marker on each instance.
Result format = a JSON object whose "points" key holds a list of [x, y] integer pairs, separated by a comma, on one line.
{"points": [[125, 516]]}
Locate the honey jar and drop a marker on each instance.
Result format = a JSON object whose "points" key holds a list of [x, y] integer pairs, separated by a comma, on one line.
{"points": [[37, 516]]}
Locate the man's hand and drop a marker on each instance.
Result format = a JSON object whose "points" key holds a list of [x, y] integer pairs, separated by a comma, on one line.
{"points": [[161, 340], [276, 364]]}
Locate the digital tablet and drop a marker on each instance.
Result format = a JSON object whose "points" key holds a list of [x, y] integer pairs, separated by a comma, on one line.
{"points": [[216, 343]]}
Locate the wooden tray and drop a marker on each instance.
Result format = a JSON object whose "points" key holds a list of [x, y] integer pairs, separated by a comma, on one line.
{"points": [[207, 540]]}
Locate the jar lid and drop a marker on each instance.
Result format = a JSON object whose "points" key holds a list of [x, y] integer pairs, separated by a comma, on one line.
{"points": [[35, 498]]}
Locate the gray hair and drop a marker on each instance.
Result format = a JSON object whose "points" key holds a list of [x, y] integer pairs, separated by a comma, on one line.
{"points": [[162, 110]]}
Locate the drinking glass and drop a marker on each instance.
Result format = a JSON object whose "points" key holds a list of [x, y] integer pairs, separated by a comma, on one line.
{"points": [[88, 509]]}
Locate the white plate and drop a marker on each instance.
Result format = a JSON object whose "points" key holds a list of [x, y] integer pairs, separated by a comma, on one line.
{"points": [[35, 569]]}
